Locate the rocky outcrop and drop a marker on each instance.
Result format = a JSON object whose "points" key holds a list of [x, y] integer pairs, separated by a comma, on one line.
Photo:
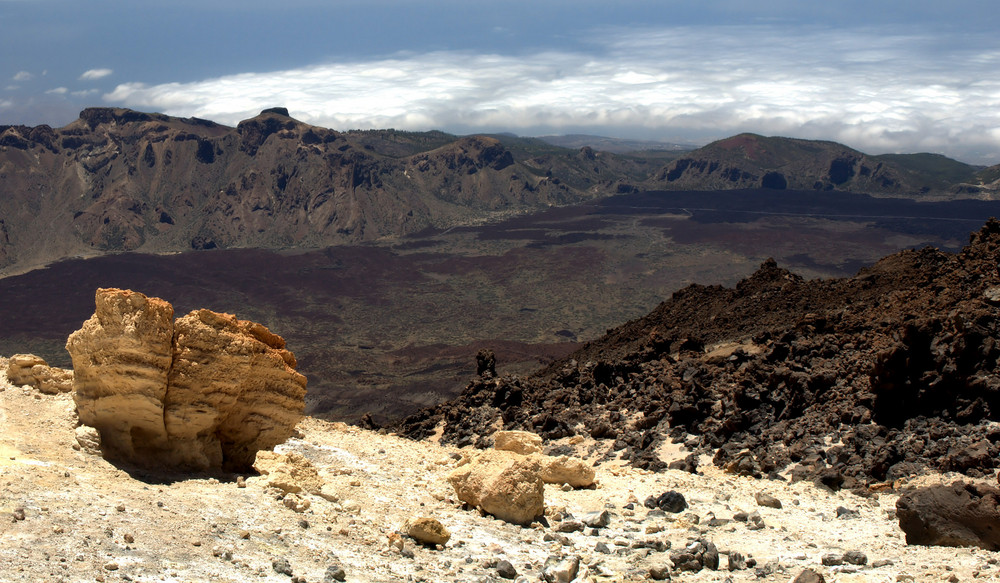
{"points": [[522, 442], [502, 483], [959, 515], [206, 391], [31, 370]]}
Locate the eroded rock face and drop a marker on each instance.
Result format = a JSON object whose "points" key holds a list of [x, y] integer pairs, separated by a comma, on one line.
{"points": [[206, 391]]}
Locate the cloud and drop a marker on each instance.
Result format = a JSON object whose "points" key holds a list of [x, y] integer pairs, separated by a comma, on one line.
{"points": [[94, 74], [58, 91], [876, 92], [22, 76]]}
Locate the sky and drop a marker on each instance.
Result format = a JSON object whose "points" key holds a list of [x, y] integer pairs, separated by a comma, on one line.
{"points": [[877, 75]]}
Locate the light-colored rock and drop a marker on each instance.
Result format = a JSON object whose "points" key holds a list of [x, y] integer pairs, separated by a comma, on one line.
{"points": [[31, 370], [290, 472], [428, 531], [208, 391], [88, 439], [522, 442], [566, 470], [502, 483], [296, 503]]}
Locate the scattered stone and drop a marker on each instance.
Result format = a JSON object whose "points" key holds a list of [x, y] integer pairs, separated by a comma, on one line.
{"points": [[296, 503], [671, 501], [602, 548], [522, 442], [128, 538], [856, 558], [558, 570], [764, 499], [847, 513], [597, 519], [241, 482], [506, 570], [282, 566], [809, 576], [110, 566], [504, 484], [428, 531], [570, 526], [701, 554], [882, 563], [959, 515], [659, 573], [737, 562], [334, 573], [832, 559]]}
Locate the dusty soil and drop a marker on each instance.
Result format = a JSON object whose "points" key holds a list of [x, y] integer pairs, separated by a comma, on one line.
{"points": [[85, 519]]}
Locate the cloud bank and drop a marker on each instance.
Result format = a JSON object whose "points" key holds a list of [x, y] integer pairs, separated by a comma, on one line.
{"points": [[876, 92], [94, 74]]}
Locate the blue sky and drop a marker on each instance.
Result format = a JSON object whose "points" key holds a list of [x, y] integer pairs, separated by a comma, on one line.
{"points": [[880, 76]]}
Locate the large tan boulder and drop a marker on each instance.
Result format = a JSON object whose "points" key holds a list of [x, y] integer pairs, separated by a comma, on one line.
{"points": [[31, 370], [208, 391], [522, 442], [502, 483]]}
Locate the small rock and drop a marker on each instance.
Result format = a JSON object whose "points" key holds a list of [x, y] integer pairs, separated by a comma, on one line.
{"points": [[241, 482], [282, 566], [334, 573], [847, 513], [855, 558], [671, 501], [602, 547], [882, 563], [560, 570], [506, 570], [659, 573], [570, 526], [832, 560], [597, 519], [428, 531], [809, 576], [128, 538], [110, 566], [736, 561], [764, 499], [18, 514]]}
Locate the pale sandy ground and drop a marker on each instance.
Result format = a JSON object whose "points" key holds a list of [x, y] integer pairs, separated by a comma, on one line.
{"points": [[86, 520]]}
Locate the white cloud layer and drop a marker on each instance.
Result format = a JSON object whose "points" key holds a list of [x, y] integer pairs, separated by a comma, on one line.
{"points": [[22, 76], [94, 74], [872, 91]]}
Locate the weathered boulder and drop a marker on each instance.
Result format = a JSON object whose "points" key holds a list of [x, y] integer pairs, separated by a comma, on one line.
{"points": [[522, 442], [959, 515], [504, 484], [567, 470], [208, 391], [31, 370]]}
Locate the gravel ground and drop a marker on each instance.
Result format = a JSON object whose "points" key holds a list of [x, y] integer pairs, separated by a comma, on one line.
{"points": [[66, 515]]}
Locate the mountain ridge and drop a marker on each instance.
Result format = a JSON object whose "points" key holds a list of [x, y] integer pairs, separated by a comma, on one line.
{"points": [[120, 180]]}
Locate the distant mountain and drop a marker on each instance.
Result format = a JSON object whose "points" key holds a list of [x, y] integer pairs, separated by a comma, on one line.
{"points": [[615, 145], [121, 180], [753, 161]]}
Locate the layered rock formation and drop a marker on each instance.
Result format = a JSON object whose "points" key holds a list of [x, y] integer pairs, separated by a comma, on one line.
{"points": [[206, 391], [31, 370]]}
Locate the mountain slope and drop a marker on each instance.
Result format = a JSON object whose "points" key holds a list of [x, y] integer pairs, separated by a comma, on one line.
{"points": [[898, 364]]}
